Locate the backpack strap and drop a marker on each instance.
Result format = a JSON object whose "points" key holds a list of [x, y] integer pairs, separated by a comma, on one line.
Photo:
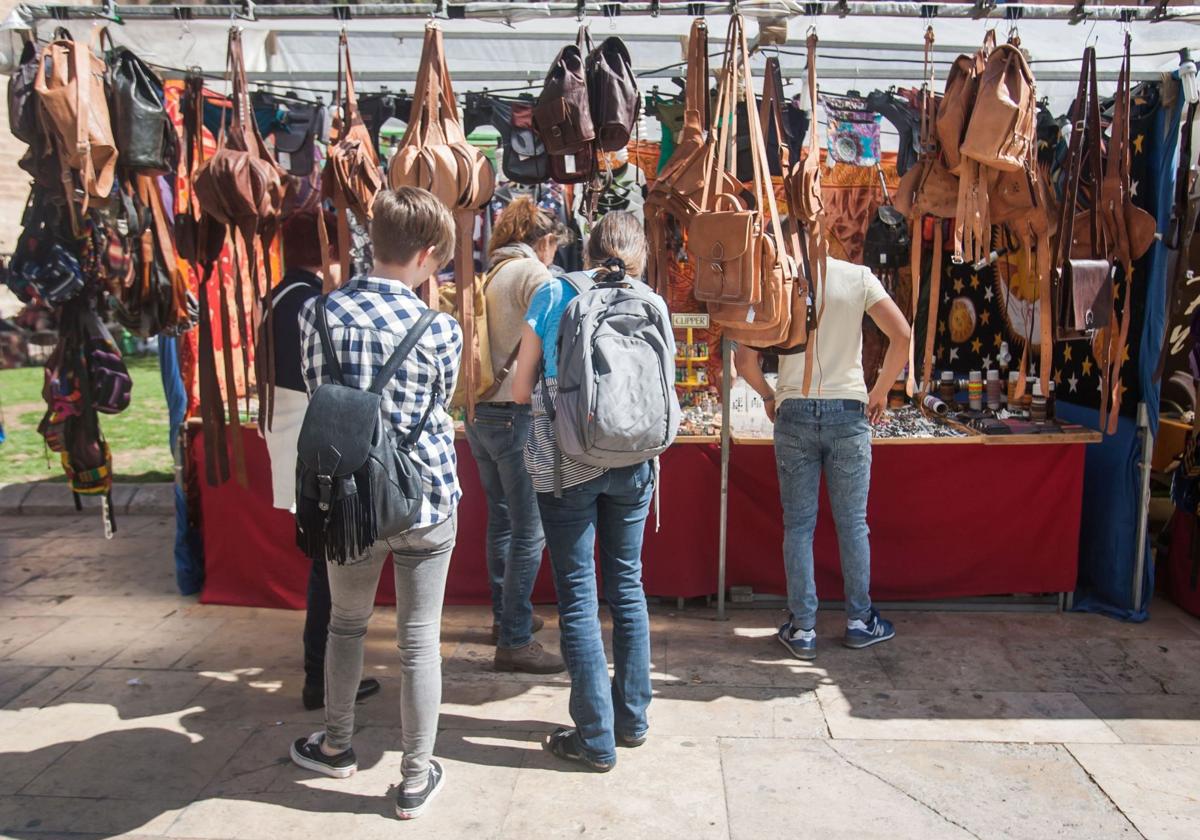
{"points": [[580, 281], [331, 359], [401, 353]]}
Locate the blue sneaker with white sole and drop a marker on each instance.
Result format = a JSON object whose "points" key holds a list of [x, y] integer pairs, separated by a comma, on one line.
{"points": [[801, 644], [862, 634]]}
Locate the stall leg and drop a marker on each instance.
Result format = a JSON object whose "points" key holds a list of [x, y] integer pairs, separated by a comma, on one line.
{"points": [[1143, 522], [726, 376]]}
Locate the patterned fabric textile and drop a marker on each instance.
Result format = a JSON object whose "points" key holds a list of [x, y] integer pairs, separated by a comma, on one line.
{"points": [[367, 319]]}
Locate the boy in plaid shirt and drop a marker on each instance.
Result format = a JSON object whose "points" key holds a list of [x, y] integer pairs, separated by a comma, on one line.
{"points": [[412, 235]]}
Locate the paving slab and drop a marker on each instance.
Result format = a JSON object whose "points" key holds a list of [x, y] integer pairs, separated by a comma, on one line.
{"points": [[790, 788], [18, 632], [631, 801], [15, 680], [83, 640], [952, 715], [48, 816], [994, 790], [1157, 787], [1149, 718], [722, 711], [167, 643], [55, 499], [11, 497]]}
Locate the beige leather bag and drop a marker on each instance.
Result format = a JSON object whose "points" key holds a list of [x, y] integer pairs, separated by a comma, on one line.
{"points": [[740, 250], [435, 153]]}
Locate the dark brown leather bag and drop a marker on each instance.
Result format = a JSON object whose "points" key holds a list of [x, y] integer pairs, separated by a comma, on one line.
{"points": [[1083, 290], [563, 115], [352, 176], [613, 99]]}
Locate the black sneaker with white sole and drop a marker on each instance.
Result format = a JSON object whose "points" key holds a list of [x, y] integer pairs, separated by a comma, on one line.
{"points": [[306, 753], [412, 805]]}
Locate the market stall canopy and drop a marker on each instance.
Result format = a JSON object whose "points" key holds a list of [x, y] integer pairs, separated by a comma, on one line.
{"points": [[510, 45]]}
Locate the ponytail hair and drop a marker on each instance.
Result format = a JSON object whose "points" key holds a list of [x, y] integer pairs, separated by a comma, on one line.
{"points": [[618, 236], [525, 223]]}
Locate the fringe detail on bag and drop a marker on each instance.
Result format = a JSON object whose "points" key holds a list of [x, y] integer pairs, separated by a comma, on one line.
{"points": [[342, 533]]}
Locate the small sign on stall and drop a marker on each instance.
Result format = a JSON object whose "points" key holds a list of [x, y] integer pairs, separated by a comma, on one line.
{"points": [[689, 320]]}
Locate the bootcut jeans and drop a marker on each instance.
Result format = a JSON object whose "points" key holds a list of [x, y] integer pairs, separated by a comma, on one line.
{"points": [[834, 437], [514, 531], [611, 510], [421, 559]]}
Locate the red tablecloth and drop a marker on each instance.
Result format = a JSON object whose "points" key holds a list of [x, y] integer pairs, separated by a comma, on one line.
{"points": [[946, 521]]}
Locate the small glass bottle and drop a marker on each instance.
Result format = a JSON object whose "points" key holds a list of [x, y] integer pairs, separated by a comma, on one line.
{"points": [[1050, 398], [1003, 362], [1013, 402], [1037, 405]]}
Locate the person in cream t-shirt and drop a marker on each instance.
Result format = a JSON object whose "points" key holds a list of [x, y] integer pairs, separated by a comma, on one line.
{"points": [[828, 430]]}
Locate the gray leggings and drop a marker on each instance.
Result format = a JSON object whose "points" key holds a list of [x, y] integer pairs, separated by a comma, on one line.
{"points": [[421, 559]]}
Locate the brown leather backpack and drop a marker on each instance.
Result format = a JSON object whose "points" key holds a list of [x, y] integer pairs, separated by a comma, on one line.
{"points": [[352, 176], [435, 154], [563, 115], [73, 111], [745, 269], [613, 98]]}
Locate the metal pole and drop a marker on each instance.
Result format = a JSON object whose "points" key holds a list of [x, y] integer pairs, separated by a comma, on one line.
{"points": [[503, 12], [1143, 524], [726, 435]]}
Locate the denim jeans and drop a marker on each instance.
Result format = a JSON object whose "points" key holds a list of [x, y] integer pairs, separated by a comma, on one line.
{"points": [[514, 532], [421, 559], [611, 510], [833, 436]]}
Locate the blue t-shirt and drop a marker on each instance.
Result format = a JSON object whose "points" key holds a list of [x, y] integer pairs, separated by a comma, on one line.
{"points": [[546, 309]]}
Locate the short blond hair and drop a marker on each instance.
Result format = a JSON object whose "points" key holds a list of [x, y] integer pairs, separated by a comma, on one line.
{"points": [[619, 234], [406, 221]]}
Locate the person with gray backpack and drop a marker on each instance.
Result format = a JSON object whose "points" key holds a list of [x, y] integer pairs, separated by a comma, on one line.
{"points": [[597, 362]]}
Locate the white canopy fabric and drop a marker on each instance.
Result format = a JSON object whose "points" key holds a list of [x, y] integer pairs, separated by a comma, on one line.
{"points": [[493, 55]]}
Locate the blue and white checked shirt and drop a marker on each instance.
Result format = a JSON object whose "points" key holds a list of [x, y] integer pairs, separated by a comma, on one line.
{"points": [[368, 318]]}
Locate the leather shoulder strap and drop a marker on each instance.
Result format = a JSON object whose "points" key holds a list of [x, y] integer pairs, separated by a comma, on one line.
{"points": [[331, 359]]}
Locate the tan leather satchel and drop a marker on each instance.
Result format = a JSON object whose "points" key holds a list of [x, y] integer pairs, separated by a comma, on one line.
{"points": [[742, 247], [73, 110], [435, 153], [352, 175], [678, 190]]}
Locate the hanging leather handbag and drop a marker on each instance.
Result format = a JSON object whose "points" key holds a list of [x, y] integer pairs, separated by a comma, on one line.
{"points": [[352, 176], [74, 113], [524, 159], [613, 100], [435, 153], [143, 131], [743, 264], [1083, 285], [886, 245], [678, 192], [22, 102], [563, 114]]}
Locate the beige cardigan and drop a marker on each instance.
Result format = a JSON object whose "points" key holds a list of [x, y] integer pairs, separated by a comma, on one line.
{"points": [[508, 295]]}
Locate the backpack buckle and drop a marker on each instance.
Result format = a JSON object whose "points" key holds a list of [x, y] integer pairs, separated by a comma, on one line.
{"points": [[325, 487]]}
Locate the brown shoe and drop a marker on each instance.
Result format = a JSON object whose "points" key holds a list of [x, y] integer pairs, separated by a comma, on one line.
{"points": [[538, 624], [531, 659]]}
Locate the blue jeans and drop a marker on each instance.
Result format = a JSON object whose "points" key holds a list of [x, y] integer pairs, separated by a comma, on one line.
{"points": [[834, 436], [514, 532], [610, 509]]}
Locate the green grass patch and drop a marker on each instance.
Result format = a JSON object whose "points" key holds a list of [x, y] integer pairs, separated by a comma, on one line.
{"points": [[137, 436]]}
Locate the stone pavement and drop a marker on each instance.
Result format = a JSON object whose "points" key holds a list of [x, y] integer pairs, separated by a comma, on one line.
{"points": [[129, 710]]}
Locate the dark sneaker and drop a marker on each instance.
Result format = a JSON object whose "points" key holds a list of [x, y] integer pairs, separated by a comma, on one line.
{"points": [[801, 644], [564, 743], [861, 634], [538, 624], [306, 752], [631, 741], [313, 696], [531, 659], [411, 805]]}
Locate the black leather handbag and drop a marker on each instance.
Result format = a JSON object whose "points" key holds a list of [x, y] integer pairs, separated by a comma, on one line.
{"points": [[145, 138]]}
